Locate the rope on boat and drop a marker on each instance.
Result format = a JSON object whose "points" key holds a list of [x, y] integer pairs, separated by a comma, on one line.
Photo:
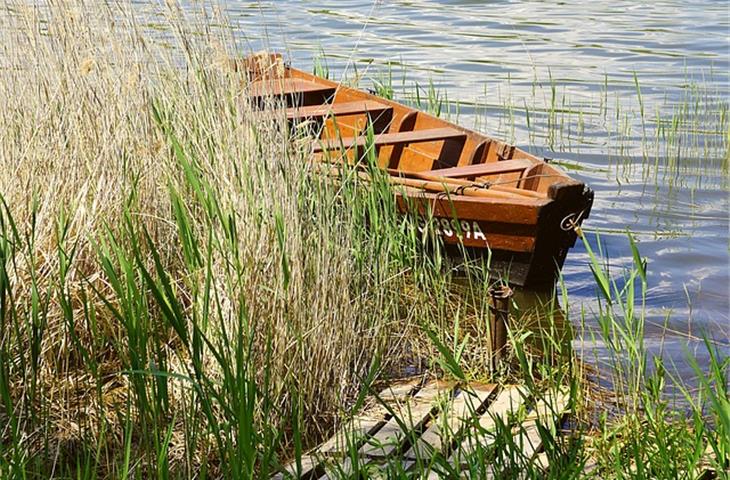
{"points": [[454, 186]]}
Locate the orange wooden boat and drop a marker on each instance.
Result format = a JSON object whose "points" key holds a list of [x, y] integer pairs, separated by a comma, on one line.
{"points": [[476, 190]]}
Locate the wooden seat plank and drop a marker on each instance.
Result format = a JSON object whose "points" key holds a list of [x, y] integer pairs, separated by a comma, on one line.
{"points": [[399, 138], [483, 169], [450, 422], [286, 86], [336, 109]]}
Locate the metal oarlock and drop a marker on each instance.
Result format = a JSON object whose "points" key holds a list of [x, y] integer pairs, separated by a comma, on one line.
{"points": [[499, 302]]}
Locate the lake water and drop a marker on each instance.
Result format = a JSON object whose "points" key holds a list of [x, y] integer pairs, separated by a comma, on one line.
{"points": [[632, 97]]}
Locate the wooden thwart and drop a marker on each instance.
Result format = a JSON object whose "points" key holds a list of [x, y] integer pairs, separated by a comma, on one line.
{"points": [[337, 109], [286, 86], [484, 169], [398, 138]]}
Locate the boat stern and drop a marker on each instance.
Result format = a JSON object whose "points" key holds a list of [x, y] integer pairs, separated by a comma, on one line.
{"points": [[558, 227]]}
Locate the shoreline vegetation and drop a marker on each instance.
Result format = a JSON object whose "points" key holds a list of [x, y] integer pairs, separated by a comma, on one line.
{"points": [[182, 296]]}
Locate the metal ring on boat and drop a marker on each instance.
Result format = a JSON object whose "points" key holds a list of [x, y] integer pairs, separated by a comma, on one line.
{"points": [[570, 222], [566, 224]]}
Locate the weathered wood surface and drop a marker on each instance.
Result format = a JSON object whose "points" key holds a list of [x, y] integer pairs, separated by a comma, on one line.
{"points": [[450, 422], [411, 426], [408, 418], [409, 423]]}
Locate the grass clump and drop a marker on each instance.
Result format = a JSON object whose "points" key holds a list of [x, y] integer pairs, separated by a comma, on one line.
{"points": [[178, 294]]}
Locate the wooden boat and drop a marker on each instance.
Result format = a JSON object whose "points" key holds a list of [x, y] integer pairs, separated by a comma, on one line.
{"points": [[476, 190]]}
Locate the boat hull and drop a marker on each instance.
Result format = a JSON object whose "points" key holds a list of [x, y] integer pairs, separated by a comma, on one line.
{"points": [[524, 245]]}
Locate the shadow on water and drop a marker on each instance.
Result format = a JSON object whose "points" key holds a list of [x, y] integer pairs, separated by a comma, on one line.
{"points": [[535, 312], [539, 312]]}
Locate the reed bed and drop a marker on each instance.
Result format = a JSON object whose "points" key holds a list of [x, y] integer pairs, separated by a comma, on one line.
{"points": [[176, 289], [182, 295]]}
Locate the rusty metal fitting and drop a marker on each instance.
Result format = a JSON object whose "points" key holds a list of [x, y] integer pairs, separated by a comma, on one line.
{"points": [[499, 303]]}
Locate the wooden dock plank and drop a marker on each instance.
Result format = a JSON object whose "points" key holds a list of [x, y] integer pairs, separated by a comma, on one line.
{"points": [[450, 422], [413, 414], [399, 391], [308, 464], [541, 461], [338, 469], [354, 433], [547, 412], [377, 438], [508, 401]]}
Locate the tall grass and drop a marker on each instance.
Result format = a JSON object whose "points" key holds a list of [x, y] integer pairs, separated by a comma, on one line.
{"points": [[178, 294], [183, 295]]}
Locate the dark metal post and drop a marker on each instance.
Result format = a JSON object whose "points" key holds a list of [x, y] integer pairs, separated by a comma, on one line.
{"points": [[499, 301]]}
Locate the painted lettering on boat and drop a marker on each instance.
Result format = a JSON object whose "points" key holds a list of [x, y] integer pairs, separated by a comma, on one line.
{"points": [[452, 229]]}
